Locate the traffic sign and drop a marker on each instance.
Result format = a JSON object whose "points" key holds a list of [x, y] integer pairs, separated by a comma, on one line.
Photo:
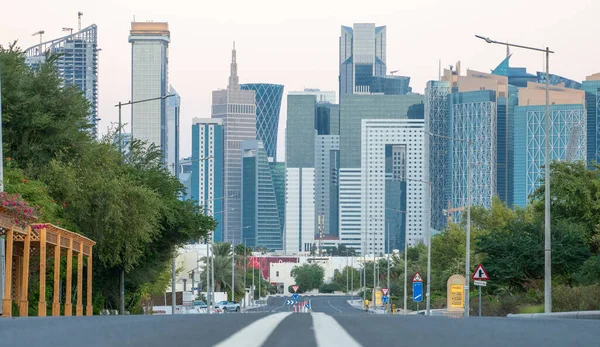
{"points": [[417, 278], [295, 296], [307, 305], [480, 283], [417, 291], [480, 274], [295, 287], [385, 291], [289, 302], [384, 299]]}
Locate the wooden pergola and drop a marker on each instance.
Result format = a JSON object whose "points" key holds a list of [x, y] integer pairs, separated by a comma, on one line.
{"points": [[45, 240]]}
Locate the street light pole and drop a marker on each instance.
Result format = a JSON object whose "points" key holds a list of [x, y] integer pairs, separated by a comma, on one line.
{"points": [[547, 226], [429, 258]]}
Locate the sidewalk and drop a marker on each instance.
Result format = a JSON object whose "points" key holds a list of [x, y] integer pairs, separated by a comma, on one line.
{"points": [[358, 304]]}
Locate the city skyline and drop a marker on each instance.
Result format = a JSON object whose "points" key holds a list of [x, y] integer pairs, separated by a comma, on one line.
{"points": [[309, 59]]}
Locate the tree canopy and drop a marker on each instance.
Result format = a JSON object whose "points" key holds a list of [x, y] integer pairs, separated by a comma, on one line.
{"points": [[128, 203]]}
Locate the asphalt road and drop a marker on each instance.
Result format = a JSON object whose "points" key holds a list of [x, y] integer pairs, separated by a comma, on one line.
{"points": [[332, 323]]}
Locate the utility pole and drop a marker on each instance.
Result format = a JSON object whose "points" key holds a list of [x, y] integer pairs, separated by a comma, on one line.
{"points": [[388, 257]]}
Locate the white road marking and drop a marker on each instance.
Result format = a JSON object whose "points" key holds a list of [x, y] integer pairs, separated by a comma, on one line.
{"points": [[334, 307], [278, 308], [255, 334], [329, 333]]}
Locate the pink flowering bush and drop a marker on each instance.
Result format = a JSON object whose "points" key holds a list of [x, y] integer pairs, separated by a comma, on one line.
{"points": [[22, 213]]}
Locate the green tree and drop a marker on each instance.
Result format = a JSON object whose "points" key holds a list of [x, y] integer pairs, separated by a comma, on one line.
{"points": [[308, 276]]}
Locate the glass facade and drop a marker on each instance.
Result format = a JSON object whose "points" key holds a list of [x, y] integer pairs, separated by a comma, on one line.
{"points": [[362, 56], [268, 105], [260, 217], [355, 108], [592, 88], [77, 64], [278, 176], [473, 117], [300, 131], [567, 143], [172, 133]]}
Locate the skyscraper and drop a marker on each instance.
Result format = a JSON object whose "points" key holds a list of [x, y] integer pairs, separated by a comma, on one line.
{"points": [[352, 189], [362, 56], [392, 171], [77, 64], [268, 105], [300, 222], [207, 175], [591, 86], [568, 134], [237, 109], [323, 96], [260, 215], [149, 79]]}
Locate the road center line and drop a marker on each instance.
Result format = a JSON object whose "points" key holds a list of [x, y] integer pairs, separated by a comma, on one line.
{"points": [[333, 307], [328, 332], [255, 334]]}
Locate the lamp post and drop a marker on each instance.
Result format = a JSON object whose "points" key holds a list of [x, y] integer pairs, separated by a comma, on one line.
{"points": [[122, 274], [233, 263], [388, 249], [405, 259], [468, 236], [246, 271], [547, 236]]}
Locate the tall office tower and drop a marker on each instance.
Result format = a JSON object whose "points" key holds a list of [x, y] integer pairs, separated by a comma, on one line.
{"points": [[207, 174], [327, 163], [260, 215], [436, 148], [149, 79], [362, 56], [172, 139], [278, 176], [300, 130], [591, 86], [392, 169], [237, 109], [268, 105], [77, 64], [353, 109], [568, 134], [323, 96]]}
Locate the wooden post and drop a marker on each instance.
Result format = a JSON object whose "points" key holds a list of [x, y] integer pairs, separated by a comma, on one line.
{"points": [[7, 299], [24, 304], [42, 303], [79, 307], [89, 310], [68, 300], [56, 293]]}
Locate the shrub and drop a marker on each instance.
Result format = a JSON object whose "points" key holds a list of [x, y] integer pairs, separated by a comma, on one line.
{"points": [[329, 287], [582, 298]]}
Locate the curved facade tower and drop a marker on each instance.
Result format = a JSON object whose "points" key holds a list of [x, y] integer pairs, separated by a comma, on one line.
{"points": [[268, 105]]}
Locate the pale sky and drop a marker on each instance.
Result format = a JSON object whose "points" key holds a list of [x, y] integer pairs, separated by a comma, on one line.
{"points": [[296, 43]]}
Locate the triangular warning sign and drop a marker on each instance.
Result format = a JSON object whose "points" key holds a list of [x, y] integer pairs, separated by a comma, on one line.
{"points": [[385, 291], [480, 274], [417, 278]]}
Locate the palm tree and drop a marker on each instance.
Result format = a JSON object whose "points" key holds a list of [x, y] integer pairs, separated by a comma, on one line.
{"points": [[222, 261]]}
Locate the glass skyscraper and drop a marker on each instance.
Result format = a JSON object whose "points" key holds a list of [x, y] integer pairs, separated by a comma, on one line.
{"points": [[260, 209], [591, 86], [268, 105], [77, 64], [149, 79]]}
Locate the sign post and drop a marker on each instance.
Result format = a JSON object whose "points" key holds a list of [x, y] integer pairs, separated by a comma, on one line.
{"points": [[417, 289], [385, 298], [480, 276]]}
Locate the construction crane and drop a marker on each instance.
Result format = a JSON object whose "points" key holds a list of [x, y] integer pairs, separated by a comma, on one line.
{"points": [[79, 14], [41, 32], [69, 30], [393, 72], [450, 210]]}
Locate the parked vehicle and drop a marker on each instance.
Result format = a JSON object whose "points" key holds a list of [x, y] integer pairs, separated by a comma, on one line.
{"points": [[228, 306]]}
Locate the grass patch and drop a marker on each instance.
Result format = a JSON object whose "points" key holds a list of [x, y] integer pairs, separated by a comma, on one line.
{"points": [[532, 309]]}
